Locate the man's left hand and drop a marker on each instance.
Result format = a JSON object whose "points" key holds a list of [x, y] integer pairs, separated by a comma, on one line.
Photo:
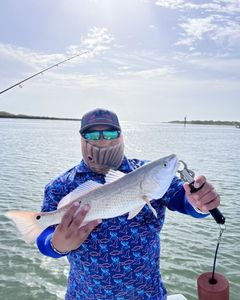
{"points": [[206, 198]]}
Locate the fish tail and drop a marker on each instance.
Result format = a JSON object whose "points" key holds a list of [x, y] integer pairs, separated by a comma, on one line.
{"points": [[26, 223]]}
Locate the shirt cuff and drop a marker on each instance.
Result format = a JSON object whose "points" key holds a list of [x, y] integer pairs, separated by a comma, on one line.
{"points": [[193, 211], [45, 245], [199, 211]]}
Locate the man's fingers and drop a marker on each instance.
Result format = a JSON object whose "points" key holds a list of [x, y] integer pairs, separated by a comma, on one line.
{"points": [[206, 198], [85, 230], [187, 188], [209, 201], [206, 188], [78, 219], [81, 234], [68, 216], [199, 181]]}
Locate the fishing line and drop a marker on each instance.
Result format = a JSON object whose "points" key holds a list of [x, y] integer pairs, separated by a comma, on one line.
{"points": [[42, 71], [212, 280]]}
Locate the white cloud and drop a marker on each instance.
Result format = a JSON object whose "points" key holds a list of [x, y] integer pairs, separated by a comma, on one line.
{"points": [[174, 4], [219, 6], [131, 66], [214, 27], [216, 20], [28, 56], [229, 32], [225, 66], [72, 81], [194, 29], [97, 41], [153, 27], [155, 73]]}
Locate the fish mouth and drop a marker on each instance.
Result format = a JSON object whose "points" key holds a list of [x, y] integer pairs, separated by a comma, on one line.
{"points": [[175, 168], [177, 165]]}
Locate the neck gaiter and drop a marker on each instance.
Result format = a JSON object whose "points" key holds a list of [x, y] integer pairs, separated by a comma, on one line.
{"points": [[101, 159]]}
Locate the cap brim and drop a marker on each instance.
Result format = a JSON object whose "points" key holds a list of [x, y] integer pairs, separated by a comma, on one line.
{"points": [[91, 125]]}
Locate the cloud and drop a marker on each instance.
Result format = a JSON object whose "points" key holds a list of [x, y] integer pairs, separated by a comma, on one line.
{"points": [[217, 21], [149, 73], [229, 32], [97, 37], [195, 28], [152, 27], [97, 41], [216, 28], [114, 68], [219, 6], [28, 56], [173, 4], [208, 66]]}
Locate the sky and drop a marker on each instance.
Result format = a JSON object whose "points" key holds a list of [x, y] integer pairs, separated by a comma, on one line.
{"points": [[147, 60]]}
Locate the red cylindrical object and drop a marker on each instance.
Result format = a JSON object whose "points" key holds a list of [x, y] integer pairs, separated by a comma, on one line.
{"points": [[209, 291]]}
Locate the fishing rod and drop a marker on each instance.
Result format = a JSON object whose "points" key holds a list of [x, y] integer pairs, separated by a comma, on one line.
{"points": [[211, 285], [43, 71]]}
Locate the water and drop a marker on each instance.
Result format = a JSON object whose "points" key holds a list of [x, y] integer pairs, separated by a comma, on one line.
{"points": [[34, 151]]}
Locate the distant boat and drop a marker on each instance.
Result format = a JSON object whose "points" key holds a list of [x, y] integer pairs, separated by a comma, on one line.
{"points": [[237, 126]]}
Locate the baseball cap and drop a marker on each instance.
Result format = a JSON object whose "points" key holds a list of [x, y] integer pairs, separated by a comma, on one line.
{"points": [[99, 116]]}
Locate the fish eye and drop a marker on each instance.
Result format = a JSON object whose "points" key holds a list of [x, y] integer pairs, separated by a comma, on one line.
{"points": [[38, 217]]}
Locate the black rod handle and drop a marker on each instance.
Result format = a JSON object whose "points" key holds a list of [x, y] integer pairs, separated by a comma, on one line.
{"points": [[216, 214]]}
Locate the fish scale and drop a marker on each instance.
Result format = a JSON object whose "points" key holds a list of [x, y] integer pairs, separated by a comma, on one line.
{"points": [[113, 203]]}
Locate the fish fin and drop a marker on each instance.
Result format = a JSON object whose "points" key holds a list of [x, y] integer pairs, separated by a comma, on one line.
{"points": [[81, 190], [26, 223], [134, 212], [145, 198], [113, 175]]}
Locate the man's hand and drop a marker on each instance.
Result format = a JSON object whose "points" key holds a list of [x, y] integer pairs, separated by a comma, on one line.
{"points": [[206, 198], [67, 235]]}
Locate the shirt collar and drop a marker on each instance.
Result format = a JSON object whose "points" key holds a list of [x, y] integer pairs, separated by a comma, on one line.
{"points": [[124, 167]]}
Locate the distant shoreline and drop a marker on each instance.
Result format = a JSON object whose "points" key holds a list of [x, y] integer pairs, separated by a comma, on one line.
{"points": [[208, 122], [7, 115]]}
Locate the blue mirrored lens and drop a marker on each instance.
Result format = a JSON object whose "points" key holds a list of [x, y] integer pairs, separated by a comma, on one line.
{"points": [[94, 135], [106, 134], [110, 135]]}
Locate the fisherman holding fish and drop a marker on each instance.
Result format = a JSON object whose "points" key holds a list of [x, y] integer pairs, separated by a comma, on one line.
{"points": [[108, 222]]}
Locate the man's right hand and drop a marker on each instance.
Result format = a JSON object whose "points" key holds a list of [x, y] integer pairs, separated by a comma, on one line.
{"points": [[67, 235]]}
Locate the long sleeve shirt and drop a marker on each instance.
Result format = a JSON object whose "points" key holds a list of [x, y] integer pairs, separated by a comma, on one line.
{"points": [[120, 260]]}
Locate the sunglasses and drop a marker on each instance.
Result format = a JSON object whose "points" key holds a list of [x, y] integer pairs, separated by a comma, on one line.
{"points": [[106, 134]]}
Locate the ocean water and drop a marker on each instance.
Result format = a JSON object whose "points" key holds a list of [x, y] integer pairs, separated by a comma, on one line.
{"points": [[34, 151]]}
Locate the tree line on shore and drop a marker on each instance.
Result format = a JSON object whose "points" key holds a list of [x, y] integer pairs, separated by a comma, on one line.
{"points": [[208, 122], [4, 114]]}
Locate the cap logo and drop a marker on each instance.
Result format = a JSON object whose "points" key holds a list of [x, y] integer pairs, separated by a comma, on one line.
{"points": [[99, 116]]}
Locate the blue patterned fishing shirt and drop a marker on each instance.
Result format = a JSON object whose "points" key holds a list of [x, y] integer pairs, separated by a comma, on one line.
{"points": [[120, 260]]}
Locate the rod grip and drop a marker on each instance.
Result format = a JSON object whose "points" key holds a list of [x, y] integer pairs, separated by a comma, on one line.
{"points": [[216, 214]]}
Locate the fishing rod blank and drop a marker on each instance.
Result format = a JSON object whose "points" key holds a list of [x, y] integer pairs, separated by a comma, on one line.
{"points": [[41, 72]]}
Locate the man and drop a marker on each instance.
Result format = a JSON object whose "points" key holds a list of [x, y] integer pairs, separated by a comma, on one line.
{"points": [[116, 258]]}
